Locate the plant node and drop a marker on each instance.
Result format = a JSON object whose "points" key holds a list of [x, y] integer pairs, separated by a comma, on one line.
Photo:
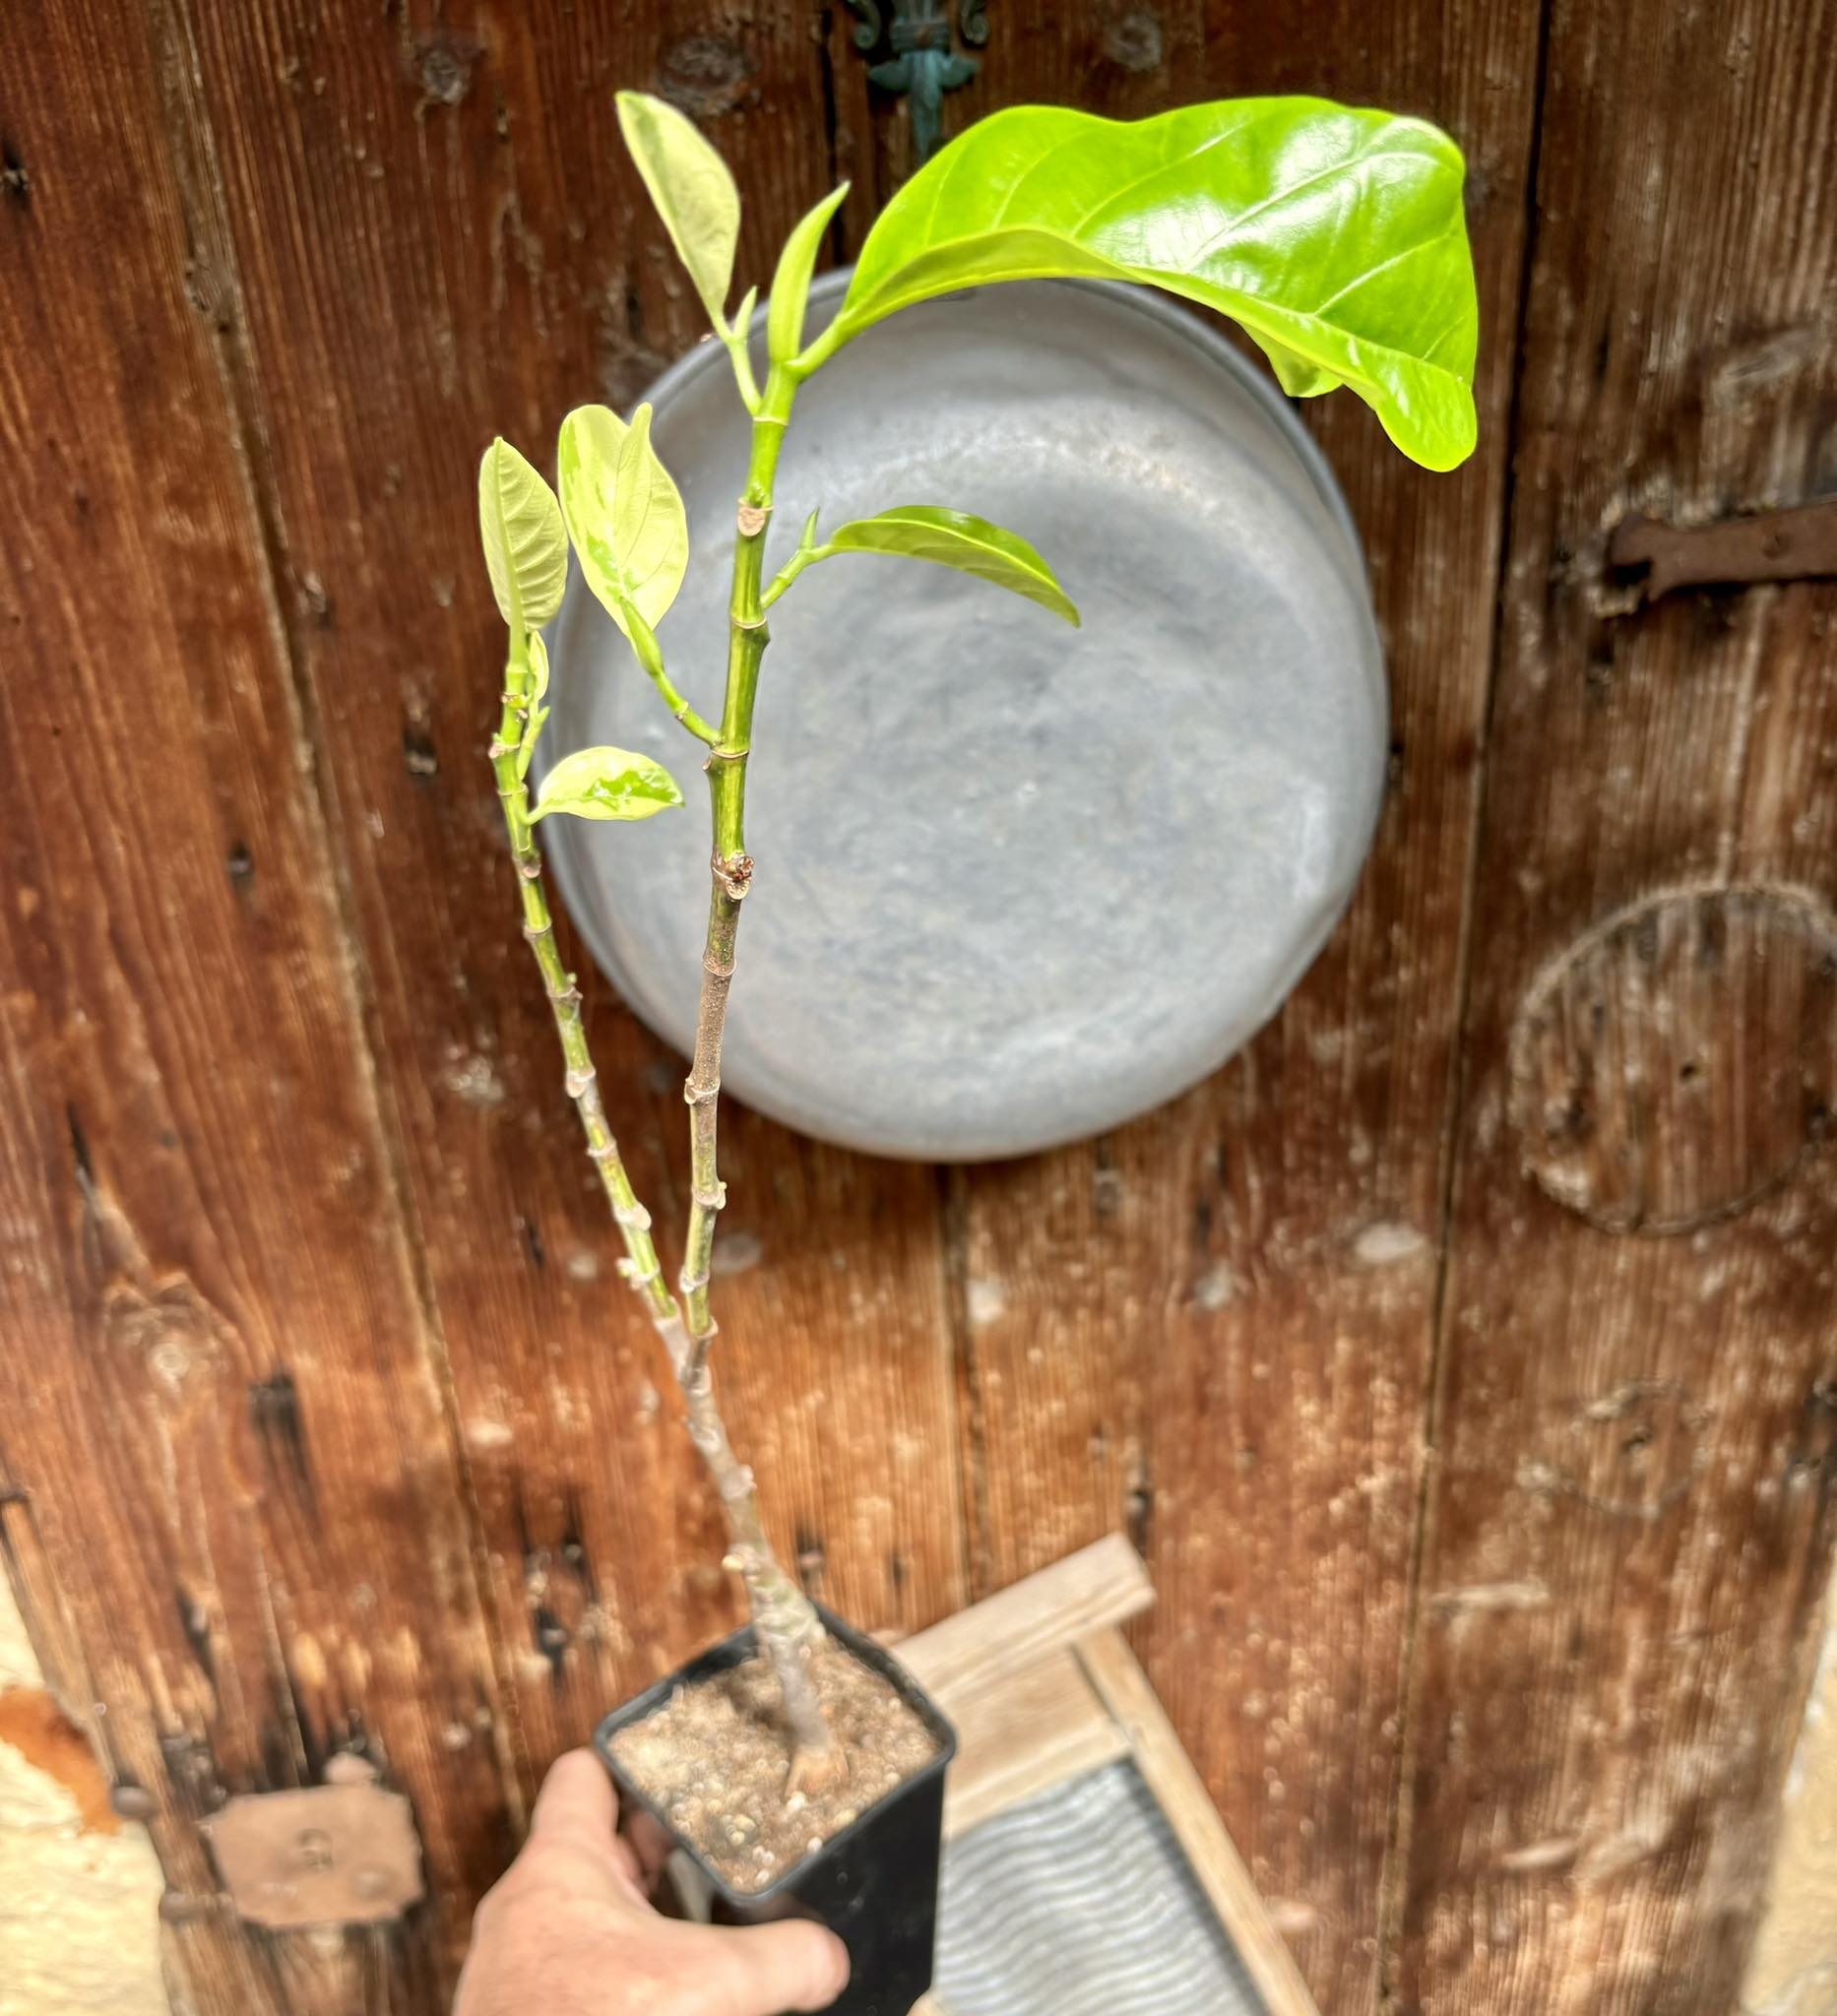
{"points": [[734, 873]]}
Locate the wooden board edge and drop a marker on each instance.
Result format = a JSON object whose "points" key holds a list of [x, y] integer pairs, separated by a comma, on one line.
{"points": [[1094, 1590], [1077, 1755], [1117, 1677]]}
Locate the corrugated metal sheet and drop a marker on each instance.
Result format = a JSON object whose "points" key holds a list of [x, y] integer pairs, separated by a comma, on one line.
{"points": [[1079, 1903]]}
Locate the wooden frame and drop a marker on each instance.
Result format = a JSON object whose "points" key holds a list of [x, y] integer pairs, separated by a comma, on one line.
{"points": [[1042, 1688]]}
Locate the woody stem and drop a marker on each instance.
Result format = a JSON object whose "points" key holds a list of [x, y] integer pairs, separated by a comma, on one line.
{"points": [[785, 1619]]}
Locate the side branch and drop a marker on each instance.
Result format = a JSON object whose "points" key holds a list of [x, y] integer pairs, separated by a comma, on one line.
{"points": [[640, 1266]]}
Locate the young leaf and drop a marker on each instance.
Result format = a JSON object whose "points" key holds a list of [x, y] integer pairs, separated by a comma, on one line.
{"points": [[1336, 238], [539, 667], [606, 784], [692, 190], [526, 549], [623, 512], [954, 538], [791, 284]]}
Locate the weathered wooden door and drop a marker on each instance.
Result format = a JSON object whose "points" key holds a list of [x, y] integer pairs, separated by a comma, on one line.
{"points": [[1461, 1356]]}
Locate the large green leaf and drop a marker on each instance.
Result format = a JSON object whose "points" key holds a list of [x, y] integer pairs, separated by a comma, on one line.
{"points": [[954, 538], [623, 512], [1336, 238], [606, 784], [791, 284], [526, 549], [692, 190]]}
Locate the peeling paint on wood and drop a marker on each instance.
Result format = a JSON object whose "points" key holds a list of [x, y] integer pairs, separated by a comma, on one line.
{"points": [[79, 1892]]}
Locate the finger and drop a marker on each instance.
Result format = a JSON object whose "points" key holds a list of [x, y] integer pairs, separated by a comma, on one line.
{"points": [[769, 1969], [650, 1844], [576, 1804]]}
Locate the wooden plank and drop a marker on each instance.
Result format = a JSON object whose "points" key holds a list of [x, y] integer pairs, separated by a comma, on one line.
{"points": [[437, 237], [1113, 1670], [1631, 1515], [219, 1395], [1023, 1734], [1214, 1326], [1055, 1607]]}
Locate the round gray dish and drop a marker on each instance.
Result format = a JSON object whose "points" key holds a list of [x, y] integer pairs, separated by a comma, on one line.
{"points": [[1016, 882]]}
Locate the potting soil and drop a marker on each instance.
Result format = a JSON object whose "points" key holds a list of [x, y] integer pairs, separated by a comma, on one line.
{"points": [[714, 1758]]}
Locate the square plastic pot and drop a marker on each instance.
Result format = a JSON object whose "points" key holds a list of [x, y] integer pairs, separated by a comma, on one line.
{"points": [[874, 1885]]}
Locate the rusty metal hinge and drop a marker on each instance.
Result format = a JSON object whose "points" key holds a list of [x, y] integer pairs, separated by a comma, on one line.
{"points": [[344, 1852], [1796, 543]]}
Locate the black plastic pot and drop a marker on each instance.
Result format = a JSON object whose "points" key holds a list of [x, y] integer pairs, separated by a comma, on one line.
{"points": [[874, 1885]]}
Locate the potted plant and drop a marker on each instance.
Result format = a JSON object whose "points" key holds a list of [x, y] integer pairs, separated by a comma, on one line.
{"points": [[795, 1761]]}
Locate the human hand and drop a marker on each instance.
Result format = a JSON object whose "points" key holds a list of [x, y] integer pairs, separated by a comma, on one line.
{"points": [[569, 1930]]}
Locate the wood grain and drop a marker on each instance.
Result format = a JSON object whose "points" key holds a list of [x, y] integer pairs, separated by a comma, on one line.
{"points": [[1214, 1326], [1631, 1517], [437, 237], [218, 1400], [1100, 1586], [1116, 1676], [1023, 1735], [308, 1296]]}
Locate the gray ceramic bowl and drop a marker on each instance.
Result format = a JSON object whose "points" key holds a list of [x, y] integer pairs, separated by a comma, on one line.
{"points": [[1016, 883]]}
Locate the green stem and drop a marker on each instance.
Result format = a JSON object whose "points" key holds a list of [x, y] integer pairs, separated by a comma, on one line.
{"points": [[650, 655], [797, 1625], [641, 1267], [782, 1613], [804, 556]]}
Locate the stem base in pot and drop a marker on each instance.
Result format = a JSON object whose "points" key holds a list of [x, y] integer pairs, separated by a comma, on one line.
{"points": [[874, 1883]]}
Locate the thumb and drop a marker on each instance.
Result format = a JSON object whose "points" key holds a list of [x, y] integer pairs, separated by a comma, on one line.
{"points": [[792, 1964], [577, 1805]]}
